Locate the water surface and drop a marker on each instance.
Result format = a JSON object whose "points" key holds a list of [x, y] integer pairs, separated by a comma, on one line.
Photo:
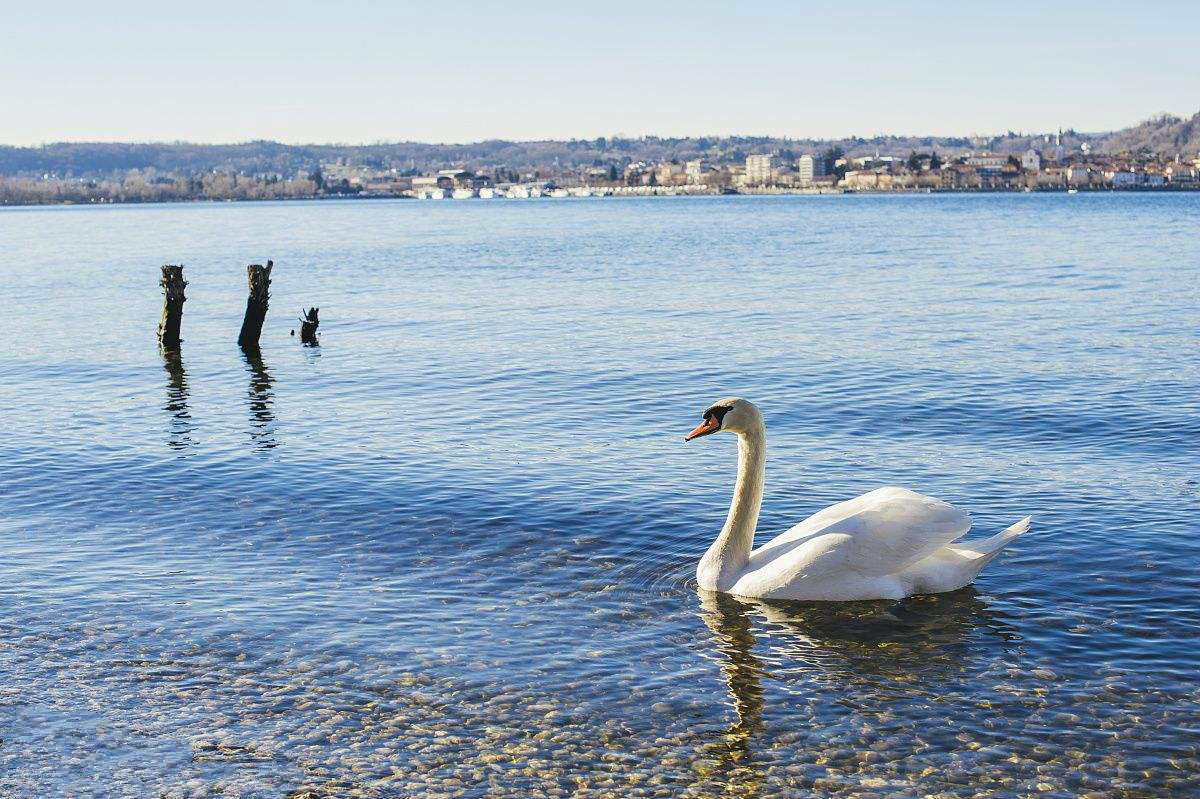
{"points": [[450, 551]]}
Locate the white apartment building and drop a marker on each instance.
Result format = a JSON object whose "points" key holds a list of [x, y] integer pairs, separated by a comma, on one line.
{"points": [[758, 169], [809, 167]]}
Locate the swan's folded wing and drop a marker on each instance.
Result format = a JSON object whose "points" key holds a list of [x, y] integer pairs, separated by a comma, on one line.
{"points": [[898, 529]]}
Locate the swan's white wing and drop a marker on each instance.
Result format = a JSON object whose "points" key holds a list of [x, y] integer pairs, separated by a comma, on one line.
{"points": [[900, 530], [878, 533]]}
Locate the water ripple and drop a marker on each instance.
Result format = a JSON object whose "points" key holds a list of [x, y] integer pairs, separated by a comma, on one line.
{"points": [[451, 551]]}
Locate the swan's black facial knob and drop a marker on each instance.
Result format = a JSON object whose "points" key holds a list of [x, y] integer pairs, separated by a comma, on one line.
{"points": [[713, 418], [718, 411]]}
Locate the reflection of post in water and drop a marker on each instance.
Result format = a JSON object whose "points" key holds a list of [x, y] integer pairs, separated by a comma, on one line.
{"points": [[730, 624], [179, 434], [262, 417]]}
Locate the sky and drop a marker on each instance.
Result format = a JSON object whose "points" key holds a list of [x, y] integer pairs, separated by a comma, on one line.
{"points": [[361, 72]]}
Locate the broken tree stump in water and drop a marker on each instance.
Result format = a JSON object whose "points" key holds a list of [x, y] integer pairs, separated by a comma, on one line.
{"points": [[308, 326], [259, 279], [173, 284]]}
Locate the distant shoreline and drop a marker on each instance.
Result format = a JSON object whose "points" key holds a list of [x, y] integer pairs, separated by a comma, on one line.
{"points": [[477, 200]]}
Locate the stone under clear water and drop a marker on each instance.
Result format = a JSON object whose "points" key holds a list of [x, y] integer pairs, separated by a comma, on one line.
{"points": [[450, 552]]}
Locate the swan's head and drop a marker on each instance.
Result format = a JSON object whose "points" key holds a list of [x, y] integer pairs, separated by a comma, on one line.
{"points": [[730, 415]]}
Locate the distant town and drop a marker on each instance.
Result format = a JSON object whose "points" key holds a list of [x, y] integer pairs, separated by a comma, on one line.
{"points": [[1051, 168], [1160, 154]]}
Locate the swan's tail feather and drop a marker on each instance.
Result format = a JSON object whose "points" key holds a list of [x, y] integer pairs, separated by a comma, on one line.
{"points": [[982, 552]]}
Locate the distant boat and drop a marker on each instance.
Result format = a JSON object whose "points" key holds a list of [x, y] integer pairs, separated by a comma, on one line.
{"points": [[559, 193], [1072, 191], [463, 194], [487, 193]]}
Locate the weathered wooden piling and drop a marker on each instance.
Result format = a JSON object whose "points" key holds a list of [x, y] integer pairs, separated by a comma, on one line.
{"points": [[173, 284], [308, 326], [259, 279]]}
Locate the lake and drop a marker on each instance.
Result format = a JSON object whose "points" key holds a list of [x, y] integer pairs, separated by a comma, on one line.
{"points": [[451, 551]]}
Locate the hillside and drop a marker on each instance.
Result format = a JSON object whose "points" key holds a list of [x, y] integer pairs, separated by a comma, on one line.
{"points": [[1164, 135], [104, 159]]}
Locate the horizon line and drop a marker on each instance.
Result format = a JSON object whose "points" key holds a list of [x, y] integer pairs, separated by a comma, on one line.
{"points": [[609, 138], [616, 136]]}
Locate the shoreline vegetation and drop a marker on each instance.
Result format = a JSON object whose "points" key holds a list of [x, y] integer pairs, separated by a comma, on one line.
{"points": [[1160, 154]]}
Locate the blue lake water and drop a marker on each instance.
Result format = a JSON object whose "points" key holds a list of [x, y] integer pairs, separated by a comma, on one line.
{"points": [[451, 550]]}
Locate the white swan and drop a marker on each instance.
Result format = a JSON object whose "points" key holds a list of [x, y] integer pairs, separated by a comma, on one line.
{"points": [[888, 544]]}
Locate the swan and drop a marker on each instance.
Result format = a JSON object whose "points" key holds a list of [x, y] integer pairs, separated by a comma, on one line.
{"points": [[890, 543]]}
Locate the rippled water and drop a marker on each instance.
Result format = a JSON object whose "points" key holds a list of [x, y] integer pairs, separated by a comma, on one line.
{"points": [[450, 551]]}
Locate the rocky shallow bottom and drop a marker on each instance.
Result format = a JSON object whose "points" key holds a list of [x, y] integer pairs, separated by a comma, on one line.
{"points": [[182, 719]]}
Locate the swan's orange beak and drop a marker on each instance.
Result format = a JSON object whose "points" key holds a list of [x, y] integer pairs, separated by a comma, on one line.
{"points": [[710, 425]]}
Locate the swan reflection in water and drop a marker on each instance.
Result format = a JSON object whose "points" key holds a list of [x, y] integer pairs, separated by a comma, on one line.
{"points": [[262, 399], [179, 430], [865, 654]]}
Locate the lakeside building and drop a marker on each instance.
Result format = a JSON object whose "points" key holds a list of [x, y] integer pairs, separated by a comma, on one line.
{"points": [[1078, 174], [600, 174], [986, 160], [1053, 177], [874, 161], [759, 169], [1124, 178], [810, 167], [456, 177], [867, 180], [431, 187], [669, 174], [1182, 174]]}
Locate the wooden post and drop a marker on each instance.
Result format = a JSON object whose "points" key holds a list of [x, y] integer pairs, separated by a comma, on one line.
{"points": [[259, 279], [172, 283], [308, 326]]}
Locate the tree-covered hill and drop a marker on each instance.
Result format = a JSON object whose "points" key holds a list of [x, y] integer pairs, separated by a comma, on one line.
{"points": [[1163, 135]]}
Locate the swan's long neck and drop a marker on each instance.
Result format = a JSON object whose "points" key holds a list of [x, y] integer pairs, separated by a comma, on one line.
{"points": [[728, 555]]}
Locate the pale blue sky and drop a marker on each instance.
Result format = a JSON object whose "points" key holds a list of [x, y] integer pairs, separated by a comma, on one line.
{"points": [[454, 71]]}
